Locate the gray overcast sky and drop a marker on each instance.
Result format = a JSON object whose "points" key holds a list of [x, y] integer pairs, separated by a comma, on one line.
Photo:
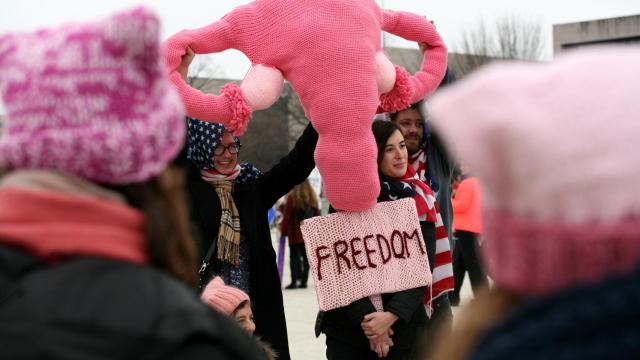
{"points": [[451, 16]]}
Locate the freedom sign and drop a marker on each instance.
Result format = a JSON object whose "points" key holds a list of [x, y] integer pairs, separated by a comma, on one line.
{"points": [[353, 255]]}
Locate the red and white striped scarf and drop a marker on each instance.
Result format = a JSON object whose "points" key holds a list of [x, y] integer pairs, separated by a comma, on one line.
{"points": [[443, 280], [428, 210], [419, 162], [424, 197], [212, 176], [442, 267]]}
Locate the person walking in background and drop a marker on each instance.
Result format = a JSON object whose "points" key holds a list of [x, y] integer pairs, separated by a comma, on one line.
{"points": [[301, 204], [467, 226], [559, 172], [95, 256]]}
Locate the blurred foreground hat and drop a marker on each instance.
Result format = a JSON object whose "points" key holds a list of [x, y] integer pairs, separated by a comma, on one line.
{"points": [[90, 100], [555, 147]]}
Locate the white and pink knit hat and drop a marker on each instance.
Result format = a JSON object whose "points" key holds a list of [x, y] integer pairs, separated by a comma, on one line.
{"points": [[557, 150], [223, 298], [90, 100]]}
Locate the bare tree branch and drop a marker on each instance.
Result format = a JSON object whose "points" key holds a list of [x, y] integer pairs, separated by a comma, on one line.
{"points": [[296, 117], [202, 69], [510, 37]]}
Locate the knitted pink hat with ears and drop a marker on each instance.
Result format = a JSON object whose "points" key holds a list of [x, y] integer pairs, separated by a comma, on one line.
{"points": [[556, 148], [91, 100], [221, 297]]}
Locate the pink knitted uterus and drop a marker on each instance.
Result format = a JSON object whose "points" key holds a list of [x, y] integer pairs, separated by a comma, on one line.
{"points": [[329, 51]]}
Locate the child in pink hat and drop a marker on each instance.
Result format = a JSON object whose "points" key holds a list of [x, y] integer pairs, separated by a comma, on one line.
{"points": [[234, 302], [230, 301]]}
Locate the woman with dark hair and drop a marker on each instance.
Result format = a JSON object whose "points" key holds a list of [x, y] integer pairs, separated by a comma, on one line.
{"points": [[358, 331], [301, 204], [94, 248]]}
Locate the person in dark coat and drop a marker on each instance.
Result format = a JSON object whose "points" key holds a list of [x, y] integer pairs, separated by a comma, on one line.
{"points": [[230, 202], [250, 262], [101, 307], [353, 331], [301, 204], [467, 224], [90, 270]]}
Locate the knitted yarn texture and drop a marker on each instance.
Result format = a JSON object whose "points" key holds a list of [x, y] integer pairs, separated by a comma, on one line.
{"points": [[90, 100], [558, 168], [221, 297], [354, 255], [330, 52]]}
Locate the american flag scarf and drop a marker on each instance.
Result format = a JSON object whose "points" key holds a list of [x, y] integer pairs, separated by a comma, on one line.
{"points": [[419, 163], [411, 186]]}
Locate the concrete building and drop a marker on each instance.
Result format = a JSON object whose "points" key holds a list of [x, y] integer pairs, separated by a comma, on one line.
{"points": [[620, 30]]}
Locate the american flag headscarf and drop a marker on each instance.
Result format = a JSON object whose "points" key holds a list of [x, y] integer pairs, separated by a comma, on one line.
{"points": [[202, 139]]}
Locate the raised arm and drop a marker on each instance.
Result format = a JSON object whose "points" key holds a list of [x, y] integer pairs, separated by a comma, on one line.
{"points": [[230, 107], [290, 170], [212, 38], [416, 28]]}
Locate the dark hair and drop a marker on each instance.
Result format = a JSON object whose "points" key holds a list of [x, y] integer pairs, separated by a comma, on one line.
{"points": [[382, 131], [242, 304], [303, 196], [415, 106], [162, 202]]}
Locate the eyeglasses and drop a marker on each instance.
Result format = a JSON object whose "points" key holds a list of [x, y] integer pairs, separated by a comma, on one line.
{"points": [[220, 149]]}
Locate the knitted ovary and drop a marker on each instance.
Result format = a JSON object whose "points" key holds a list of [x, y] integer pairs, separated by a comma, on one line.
{"points": [[327, 50]]}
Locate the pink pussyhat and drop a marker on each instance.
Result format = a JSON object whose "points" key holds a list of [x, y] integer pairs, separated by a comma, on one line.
{"points": [[91, 100], [555, 147], [223, 298]]}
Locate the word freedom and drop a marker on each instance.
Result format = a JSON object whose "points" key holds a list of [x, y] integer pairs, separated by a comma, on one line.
{"points": [[361, 252]]}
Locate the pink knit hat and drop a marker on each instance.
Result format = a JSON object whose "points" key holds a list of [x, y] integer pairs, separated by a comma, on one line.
{"points": [[555, 147], [90, 100], [221, 297]]}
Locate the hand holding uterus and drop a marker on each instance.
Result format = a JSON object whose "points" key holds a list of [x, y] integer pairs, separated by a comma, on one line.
{"points": [[329, 51]]}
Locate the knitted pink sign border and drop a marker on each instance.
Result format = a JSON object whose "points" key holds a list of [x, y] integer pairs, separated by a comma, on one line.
{"points": [[356, 254]]}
